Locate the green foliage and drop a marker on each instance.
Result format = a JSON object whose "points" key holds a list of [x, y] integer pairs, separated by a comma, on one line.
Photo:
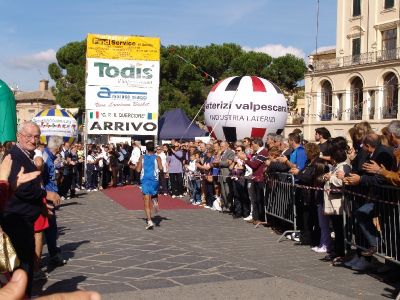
{"points": [[69, 75], [286, 71], [186, 72]]}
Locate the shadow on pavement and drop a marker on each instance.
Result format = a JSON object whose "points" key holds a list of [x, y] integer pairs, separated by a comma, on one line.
{"points": [[157, 220], [66, 285]]}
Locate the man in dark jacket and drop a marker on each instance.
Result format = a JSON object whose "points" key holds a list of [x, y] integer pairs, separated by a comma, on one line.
{"points": [[382, 155], [26, 204]]}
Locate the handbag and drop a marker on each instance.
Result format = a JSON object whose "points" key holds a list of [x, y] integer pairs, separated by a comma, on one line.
{"points": [[8, 256]]}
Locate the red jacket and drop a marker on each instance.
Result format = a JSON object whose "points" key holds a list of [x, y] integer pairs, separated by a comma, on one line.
{"points": [[257, 164]]}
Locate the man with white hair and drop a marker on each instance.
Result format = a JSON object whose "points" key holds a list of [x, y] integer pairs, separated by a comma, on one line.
{"points": [[26, 204]]}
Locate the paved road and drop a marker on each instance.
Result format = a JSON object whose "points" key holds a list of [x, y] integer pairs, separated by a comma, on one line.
{"points": [[192, 254]]}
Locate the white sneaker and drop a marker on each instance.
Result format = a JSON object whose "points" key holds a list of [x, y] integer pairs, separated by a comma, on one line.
{"points": [[173, 196], [94, 190], [77, 189], [248, 218], [206, 206], [150, 225], [352, 262], [321, 249], [361, 265], [180, 196], [88, 190], [315, 248], [295, 237], [62, 198]]}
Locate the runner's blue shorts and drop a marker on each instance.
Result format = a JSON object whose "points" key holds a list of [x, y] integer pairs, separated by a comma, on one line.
{"points": [[149, 187]]}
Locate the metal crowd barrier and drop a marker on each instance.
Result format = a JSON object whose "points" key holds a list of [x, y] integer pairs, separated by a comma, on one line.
{"points": [[385, 218], [280, 200]]}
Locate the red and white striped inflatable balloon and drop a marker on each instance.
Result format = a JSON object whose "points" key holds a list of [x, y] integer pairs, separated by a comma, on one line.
{"points": [[248, 106]]}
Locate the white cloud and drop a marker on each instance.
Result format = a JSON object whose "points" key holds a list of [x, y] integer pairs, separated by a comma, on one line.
{"points": [[38, 60], [276, 50]]}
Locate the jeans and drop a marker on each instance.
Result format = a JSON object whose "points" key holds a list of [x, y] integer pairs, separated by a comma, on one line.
{"points": [[364, 217], [323, 221], [195, 189]]}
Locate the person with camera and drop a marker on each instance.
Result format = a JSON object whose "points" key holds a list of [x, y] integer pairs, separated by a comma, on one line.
{"points": [[92, 161], [175, 167], [257, 164], [241, 202]]}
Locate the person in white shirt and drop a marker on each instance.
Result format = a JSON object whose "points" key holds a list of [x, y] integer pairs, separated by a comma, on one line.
{"points": [[136, 153]]}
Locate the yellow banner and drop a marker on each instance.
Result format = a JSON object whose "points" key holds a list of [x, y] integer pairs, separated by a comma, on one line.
{"points": [[124, 47]]}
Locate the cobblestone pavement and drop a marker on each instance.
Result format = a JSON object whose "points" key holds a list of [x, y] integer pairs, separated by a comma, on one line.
{"points": [[110, 252]]}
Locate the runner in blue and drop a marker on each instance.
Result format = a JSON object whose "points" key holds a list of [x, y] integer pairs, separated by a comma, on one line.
{"points": [[149, 165]]}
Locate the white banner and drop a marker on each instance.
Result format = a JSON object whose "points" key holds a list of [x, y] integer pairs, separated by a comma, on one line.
{"points": [[122, 84], [57, 125], [140, 121], [121, 97], [123, 73]]}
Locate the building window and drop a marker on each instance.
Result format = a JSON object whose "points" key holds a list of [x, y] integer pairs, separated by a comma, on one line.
{"points": [[356, 8], [356, 50], [340, 106], [389, 44], [326, 95], [390, 96], [356, 106], [372, 104], [389, 4]]}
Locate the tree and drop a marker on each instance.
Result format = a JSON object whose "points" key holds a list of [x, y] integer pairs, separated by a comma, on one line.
{"points": [[186, 73], [286, 71], [69, 75]]}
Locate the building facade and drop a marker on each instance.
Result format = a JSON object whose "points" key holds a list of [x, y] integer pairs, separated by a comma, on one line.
{"points": [[30, 103], [357, 81]]}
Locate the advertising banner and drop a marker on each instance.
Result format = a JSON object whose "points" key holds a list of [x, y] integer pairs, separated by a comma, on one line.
{"points": [[123, 47], [134, 73], [60, 126], [98, 97], [122, 82], [121, 122]]}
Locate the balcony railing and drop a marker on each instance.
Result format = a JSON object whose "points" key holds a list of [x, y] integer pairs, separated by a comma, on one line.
{"points": [[389, 112], [360, 59]]}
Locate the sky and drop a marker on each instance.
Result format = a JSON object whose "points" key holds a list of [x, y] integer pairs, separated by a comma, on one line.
{"points": [[31, 32]]}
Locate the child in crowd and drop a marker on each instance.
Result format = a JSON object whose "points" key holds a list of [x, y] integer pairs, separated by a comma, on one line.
{"points": [[194, 179]]}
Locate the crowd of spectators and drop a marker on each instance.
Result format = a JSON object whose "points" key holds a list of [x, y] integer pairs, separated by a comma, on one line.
{"points": [[229, 177]]}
